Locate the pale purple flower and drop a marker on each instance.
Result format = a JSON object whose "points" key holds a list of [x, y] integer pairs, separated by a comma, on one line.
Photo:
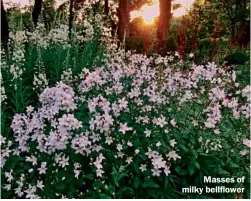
{"points": [[124, 128], [142, 167]]}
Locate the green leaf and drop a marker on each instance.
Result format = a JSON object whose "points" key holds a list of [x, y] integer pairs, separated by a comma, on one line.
{"points": [[183, 148], [89, 176], [166, 183], [196, 164], [233, 165], [136, 183], [191, 169], [150, 184]]}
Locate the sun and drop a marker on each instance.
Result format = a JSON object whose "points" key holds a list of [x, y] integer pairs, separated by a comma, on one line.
{"points": [[149, 13]]}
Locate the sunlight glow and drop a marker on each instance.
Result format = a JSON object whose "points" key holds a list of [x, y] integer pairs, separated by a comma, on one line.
{"points": [[179, 12], [24, 3], [149, 13], [20, 3]]}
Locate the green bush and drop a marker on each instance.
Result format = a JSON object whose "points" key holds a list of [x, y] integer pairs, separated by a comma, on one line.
{"points": [[171, 44], [135, 43]]}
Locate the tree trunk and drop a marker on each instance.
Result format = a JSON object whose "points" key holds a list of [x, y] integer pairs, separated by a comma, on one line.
{"points": [[70, 17], [106, 10], [124, 19], [4, 26], [164, 18], [36, 11], [215, 35]]}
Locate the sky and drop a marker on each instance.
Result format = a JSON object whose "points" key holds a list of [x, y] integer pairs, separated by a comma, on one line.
{"points": [[147, 12], [24, 3]]}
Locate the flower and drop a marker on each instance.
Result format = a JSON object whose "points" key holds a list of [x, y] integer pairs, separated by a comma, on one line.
{"points": [[158, 144], [167, 171], [9, 176], [173, 155], [29, 109], [142, 167], [195, 123], [129, 160], [124, 128], [156, 172], [32, 159], [243, 153], [43, 168], [136, 151], [172, 143], [147, 132], [247, 142], [173, 122], [40, 185], [64, 161], [99, 172], [119, 147]]}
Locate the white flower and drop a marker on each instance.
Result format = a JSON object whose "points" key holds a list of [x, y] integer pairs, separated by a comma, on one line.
{"points": [[191, 55], [195, 123], [173, 155], [7, 187], [172, 143], [9, 176], [64, 161], [243, 153], [156, 172], [40, 185], [98, 164], [19, 191], [129, 144], [43, 168], [32, 159], [147, 132], [173, 122], [108, 140], [129, 160], [247, 142], [136, 151], [29, 108], [158, 144], [99, 172], [124, 128], [167, 171], [142, 167], [119, 147]]}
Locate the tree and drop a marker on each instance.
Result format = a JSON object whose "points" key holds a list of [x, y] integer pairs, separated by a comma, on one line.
{"points": [[124, 9], [234, 14], [70, 17], [4, 26], [106, 9], [163, 22], [36, 11], [124, 19]]}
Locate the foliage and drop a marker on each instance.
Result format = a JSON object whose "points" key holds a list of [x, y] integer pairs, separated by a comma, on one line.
{"points": [[171, 44], [135, 43], [82, 118], [133, 127]]}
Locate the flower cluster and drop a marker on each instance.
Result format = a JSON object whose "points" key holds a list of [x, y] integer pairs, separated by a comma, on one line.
{"points": [[134, 113]]}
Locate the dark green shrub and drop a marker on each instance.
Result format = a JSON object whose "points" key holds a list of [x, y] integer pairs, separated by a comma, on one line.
{"points": [[135, 43], [171, 44]]}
